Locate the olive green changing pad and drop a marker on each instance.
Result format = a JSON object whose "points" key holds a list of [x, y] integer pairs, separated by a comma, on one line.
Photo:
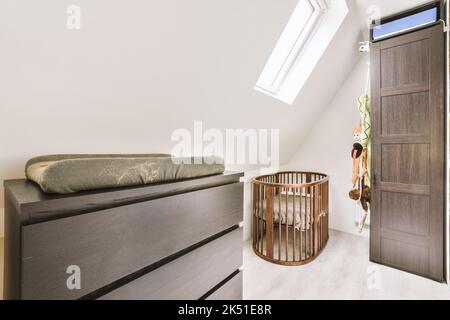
{"points": [[72, 173]]}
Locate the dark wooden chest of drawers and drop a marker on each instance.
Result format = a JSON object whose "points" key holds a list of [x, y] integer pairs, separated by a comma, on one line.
{"points": [[177, 240]]}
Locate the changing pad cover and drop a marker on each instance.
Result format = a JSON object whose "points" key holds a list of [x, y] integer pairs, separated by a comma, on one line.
{"points": [[72, 173]]}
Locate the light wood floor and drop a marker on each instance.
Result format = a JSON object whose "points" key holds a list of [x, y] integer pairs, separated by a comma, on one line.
{"points": [[1, 267], [342, 271]]}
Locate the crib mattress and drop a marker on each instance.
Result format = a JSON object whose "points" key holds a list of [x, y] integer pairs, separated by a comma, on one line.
{"points": [[303, 218], [65, 174]]}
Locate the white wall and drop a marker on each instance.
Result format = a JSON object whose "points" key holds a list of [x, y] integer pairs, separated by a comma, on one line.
{"points": [[327, 147], [136, 71], [139, 69]]}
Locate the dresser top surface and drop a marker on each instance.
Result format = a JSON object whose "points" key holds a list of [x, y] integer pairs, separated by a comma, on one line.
{"points": [[27, 197]]}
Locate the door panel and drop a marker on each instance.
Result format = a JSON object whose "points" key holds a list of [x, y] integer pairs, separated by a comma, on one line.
{"points": [[405, 163], [408, 157], [400, 208], [405, 256], [405, 64], [405, 114]]}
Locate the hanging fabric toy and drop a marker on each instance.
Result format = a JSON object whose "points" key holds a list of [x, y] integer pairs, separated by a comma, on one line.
{"points": [[357, 151], [361, 191], [365, 113]]}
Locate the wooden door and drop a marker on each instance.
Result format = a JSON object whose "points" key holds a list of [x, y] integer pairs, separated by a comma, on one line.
{"points": [[408, 157]]}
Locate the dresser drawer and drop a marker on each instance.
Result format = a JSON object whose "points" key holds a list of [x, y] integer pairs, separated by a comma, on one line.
{"points": [[110, 244], [190, 276]]}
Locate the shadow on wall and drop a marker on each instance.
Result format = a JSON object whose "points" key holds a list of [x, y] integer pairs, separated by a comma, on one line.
{"points": [[327, 148]]}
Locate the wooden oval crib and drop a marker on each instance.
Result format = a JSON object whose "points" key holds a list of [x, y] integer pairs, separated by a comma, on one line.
{"points": [[290, 217]]}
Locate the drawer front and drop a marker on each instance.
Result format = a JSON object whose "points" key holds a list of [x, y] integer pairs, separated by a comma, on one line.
{"points": [[190, 276], [231, 290], [110, 244]]}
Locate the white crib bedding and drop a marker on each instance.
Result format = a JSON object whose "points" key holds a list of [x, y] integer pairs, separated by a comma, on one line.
{"points": [[303, 221]]}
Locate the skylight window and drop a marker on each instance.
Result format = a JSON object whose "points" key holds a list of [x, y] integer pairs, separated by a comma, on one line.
{"points": [[305, 38]]}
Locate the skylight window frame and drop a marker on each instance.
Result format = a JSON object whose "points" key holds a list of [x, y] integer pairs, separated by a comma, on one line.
{"points": [[319, 7]]}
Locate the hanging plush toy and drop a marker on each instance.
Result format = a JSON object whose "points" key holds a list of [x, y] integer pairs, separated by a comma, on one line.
{"points": [[357, 152], [365, 113], [361, 191], [362, 194]]}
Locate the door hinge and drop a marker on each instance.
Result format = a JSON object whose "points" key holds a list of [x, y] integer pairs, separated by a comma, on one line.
{"points": [[444, 24]]}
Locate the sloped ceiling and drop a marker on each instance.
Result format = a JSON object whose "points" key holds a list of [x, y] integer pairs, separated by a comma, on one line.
{"points": [[341, 57], [139, 69]]}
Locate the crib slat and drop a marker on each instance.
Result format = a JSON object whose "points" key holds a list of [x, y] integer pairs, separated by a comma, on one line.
{"points": [[307, 216], [301, 224], [316, 217], [279, 224], [287, 224], [255, 226], [269, 223], [308, 208], [257, 187], [294, 218], [311, 208], [319, 220], [261, 220], [327, 190], [322, 208]]}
